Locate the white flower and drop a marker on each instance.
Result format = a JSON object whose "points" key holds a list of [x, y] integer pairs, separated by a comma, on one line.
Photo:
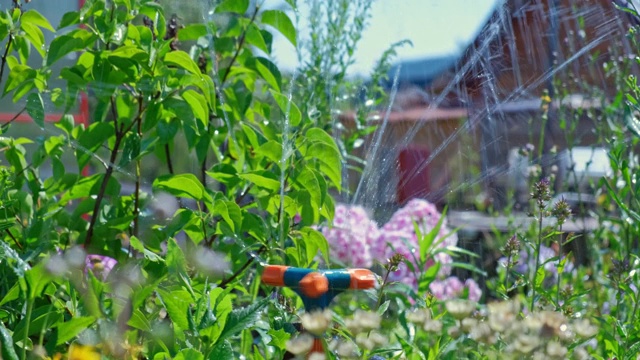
{"points": [[434, 326], [460, 309], [584, 328], [418, 316], [502, 315], [468, 324], [526, 343], [483, 333], [300, 344], [556, 350], [346, 349], [316, 356], [316, 322]]}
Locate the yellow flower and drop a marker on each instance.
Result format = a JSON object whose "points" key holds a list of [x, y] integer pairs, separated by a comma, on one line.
{"points": [[81, 352]]}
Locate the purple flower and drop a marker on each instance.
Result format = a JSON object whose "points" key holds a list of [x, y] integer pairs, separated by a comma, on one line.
{"points": [[452, 288], [399, 236], [526, 262], [352, 235], [100, 265]]}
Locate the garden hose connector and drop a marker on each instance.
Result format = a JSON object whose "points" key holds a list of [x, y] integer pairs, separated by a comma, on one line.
{"points": [[317, 288]]}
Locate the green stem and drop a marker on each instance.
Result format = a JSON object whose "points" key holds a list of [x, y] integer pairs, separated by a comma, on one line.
{"points": [[26, 328], [380, 293], [558, 267], [506, 277], [537, 256]]}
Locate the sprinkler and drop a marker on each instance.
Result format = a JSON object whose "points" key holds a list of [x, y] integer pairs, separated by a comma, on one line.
{"points": [[317, 288]]}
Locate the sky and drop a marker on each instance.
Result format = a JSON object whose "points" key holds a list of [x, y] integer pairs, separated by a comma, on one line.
{"points": [[435, 27]]}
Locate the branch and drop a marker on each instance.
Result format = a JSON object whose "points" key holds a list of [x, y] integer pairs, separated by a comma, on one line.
{"points": [[4, 56], [107, 175], [14, 239], [240, 45], [6, 125], [226, 281]]}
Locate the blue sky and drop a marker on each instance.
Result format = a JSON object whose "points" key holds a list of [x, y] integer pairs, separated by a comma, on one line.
{"points": [[436, 27]]}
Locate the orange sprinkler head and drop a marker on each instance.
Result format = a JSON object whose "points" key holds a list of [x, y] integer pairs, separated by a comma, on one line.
{"points": [[314, 285], [274, 275], [362, 279]]}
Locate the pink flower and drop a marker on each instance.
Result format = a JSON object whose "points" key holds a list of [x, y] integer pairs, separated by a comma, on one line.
{"points": [[452, 287], [399, 236], [351, 236], [100, 265]]}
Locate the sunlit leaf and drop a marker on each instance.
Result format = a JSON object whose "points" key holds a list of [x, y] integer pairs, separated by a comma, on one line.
{"points": [[235, 6], [192, 32], [33, 17], [281, 22], [288, 108], [181, 185], [183, 60], [70, 329]]}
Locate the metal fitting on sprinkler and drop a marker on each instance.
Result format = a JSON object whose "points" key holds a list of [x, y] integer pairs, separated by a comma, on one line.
{"points": [[317, 288]]}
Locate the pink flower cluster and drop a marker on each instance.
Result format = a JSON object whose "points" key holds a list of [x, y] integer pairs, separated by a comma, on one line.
{"points": [[398, 235], [352, 235], [355, 240], [452, 288]]}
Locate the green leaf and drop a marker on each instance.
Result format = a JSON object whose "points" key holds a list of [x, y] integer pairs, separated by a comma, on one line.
{"points": [[90, 185], [242, 318], [189, 354], [177, 304], [7, 350], [33, 17], [288, 108], [192, 32], [35, 37], [18, 75], [314, 241], [272, 150], [281, 22], [182, 185], [269, 72], [234, 6], [198, 105], [254, 37], [279, 338], [61, 46], [68, 330], [37, 278], [230, 212], [35, 108], [222, 351], [91, 140], [42, 318], [262, 179], [182, 59], [138, 246], [68, 19]]}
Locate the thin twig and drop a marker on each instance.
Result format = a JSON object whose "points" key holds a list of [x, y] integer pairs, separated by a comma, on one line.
{"points": [[4, 56], [14, 118], [107, 175], [14, 239], [240, 45], [226, 281]]}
